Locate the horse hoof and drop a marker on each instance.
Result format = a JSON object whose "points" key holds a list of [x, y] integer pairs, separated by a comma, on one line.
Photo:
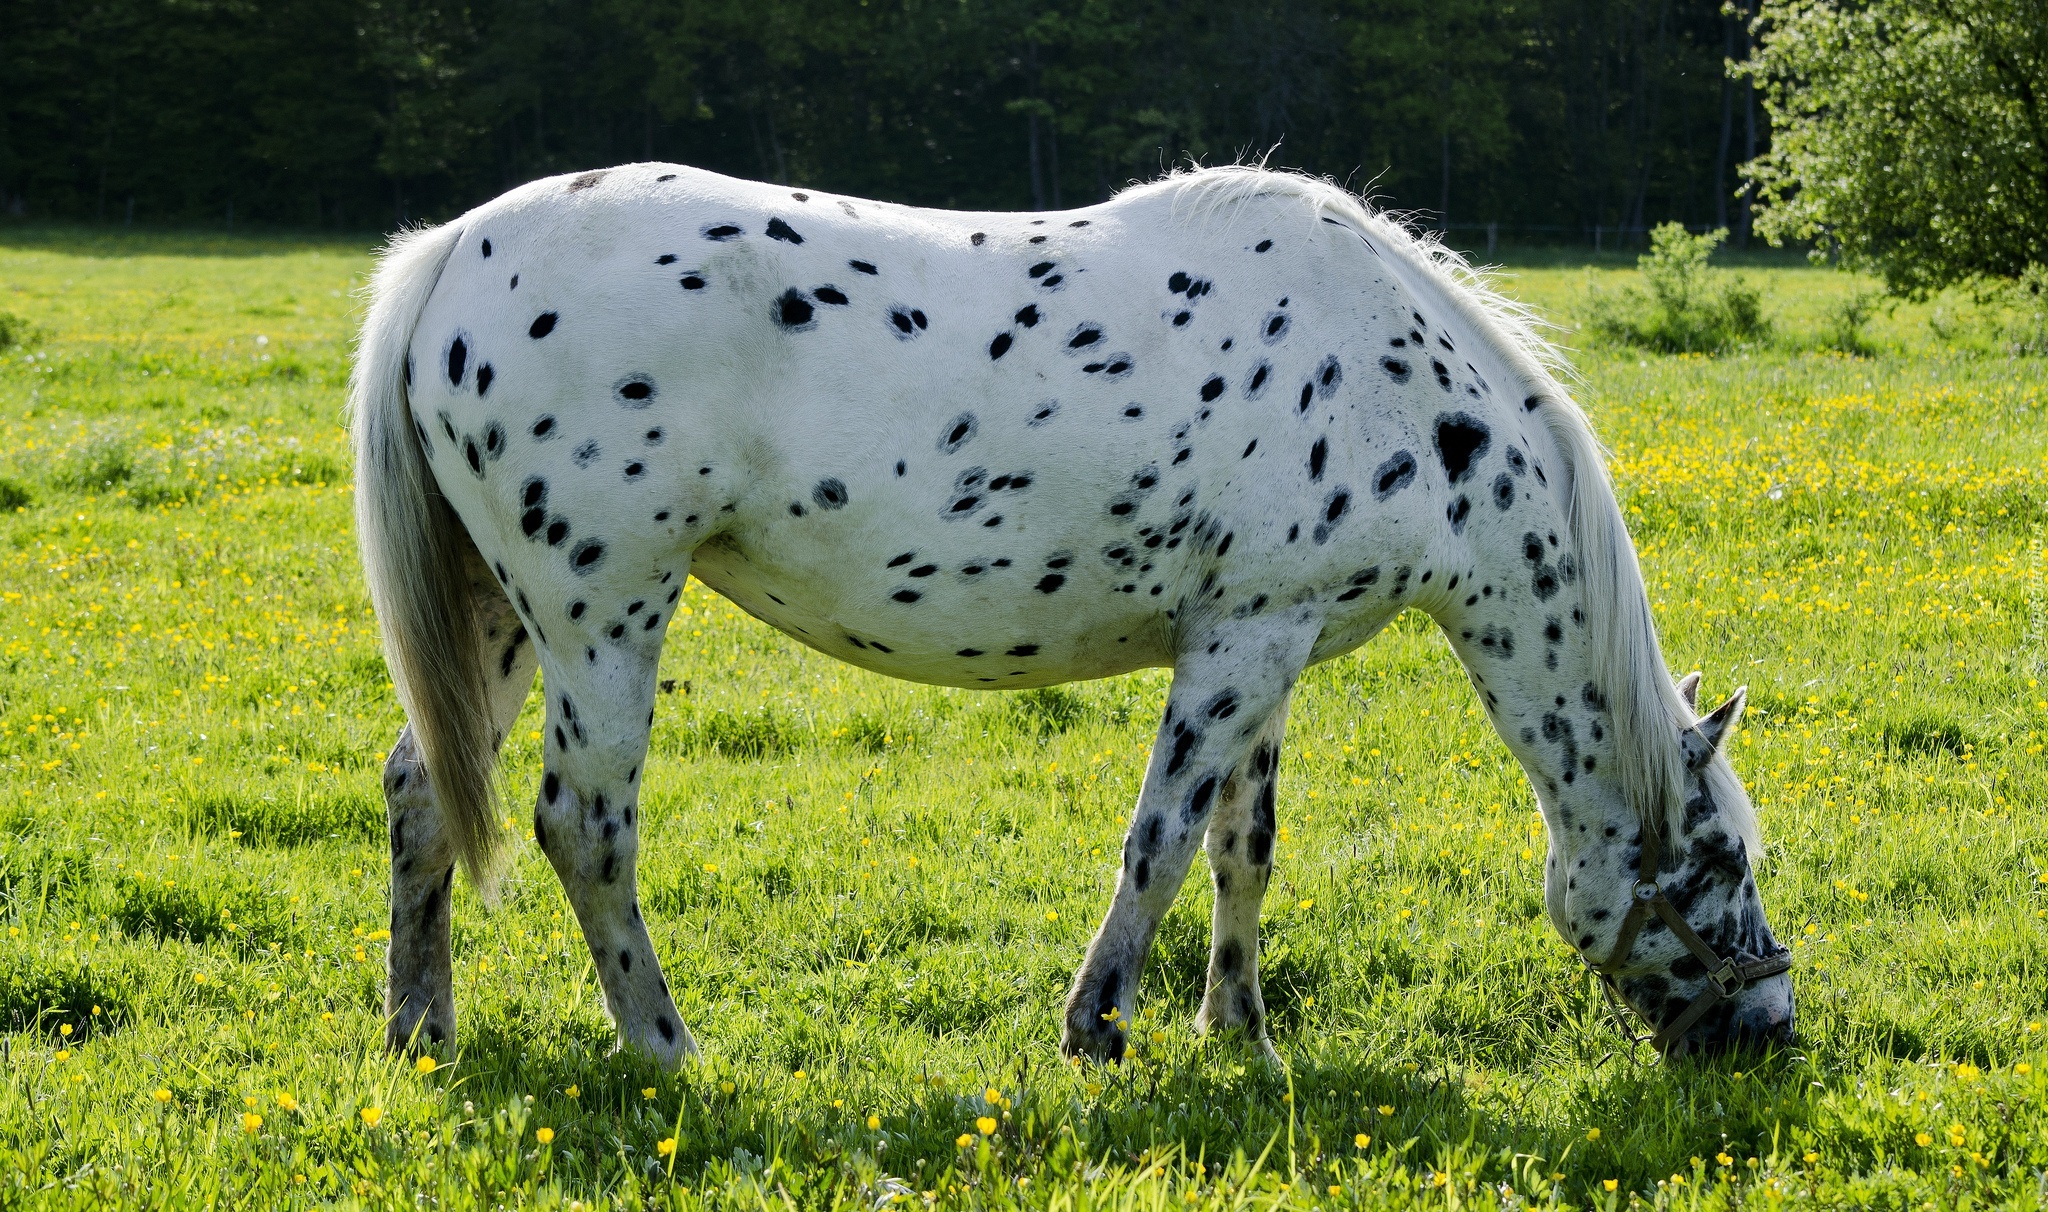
{"points": [[1106, 1044]]}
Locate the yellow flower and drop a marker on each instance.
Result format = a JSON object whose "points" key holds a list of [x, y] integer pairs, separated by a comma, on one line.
{"points": [[1361, 1140], [426, 1064], [250, 1122], [1967, 1071], [1609, 1184], [1810, 1157], [1955, 1135], [798, 1075], [965, 1139], [874, 1123], [725, 1087], [371, 1115], [1724, 1159], [545, 1136], [666, 1148], [286, 1102], [1336, 1190], [1592, 1134], [65, 1029], [647, 1092], [63, 1054], [162, 1096], [986, 1124], [992, 1096], [1052, 915], [198, 978], [1922, 1139], [2023, 1068], [574, 1092], [1385, 1109]]}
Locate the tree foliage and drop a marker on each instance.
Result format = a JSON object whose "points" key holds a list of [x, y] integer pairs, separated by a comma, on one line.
{"points": [[1557, 113], [1909, 136]]}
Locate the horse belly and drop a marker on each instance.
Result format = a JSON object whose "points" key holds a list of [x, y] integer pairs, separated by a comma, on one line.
{"points": [[989, 628]]}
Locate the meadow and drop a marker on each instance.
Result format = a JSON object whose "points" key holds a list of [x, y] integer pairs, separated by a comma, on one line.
{"points": [[869, 896]]}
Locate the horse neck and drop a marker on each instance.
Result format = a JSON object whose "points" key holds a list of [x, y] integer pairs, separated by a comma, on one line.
{"points": [[1540, 640]]}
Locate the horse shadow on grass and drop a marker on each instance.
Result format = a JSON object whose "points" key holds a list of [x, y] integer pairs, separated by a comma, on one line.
{"points": [[1534, 1086]]}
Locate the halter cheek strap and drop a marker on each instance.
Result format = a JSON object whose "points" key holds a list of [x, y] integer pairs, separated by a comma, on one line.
{"points": [[1725, 977]]}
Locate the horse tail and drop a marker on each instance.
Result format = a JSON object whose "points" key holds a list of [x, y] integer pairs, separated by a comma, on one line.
{"points": [[414, 553]]}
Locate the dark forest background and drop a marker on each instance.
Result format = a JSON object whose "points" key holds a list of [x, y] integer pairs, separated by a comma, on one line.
{"points": [[1551, 118]]}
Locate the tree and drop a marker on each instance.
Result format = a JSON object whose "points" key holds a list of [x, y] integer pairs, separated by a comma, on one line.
{"points": [[1910, 137]]}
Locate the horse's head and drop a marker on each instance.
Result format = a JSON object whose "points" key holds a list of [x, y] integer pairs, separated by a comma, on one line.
{"points": [[1670, 917]]}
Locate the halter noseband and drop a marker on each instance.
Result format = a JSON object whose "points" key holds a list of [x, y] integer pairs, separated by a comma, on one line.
{"points": [[1725, 977]]}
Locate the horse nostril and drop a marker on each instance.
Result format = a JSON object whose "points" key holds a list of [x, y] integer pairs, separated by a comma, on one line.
{"points": [[1765, 1026]]}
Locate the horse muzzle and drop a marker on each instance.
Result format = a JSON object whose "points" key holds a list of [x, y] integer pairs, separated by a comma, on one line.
{"points": [[1758, 1018]]}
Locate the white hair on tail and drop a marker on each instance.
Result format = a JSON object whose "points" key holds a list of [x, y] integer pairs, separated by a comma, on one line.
{"points": [[1629, 662], [414, 553]]}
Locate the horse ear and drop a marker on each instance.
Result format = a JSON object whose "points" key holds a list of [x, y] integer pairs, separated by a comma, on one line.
{"points": [[1703, 740], [1689, 689]]}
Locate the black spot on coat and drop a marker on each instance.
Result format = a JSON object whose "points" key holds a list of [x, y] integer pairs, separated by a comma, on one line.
{"points": [[1393, 475], [1461, 441]]}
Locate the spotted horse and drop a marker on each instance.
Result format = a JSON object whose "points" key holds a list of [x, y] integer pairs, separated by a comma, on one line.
{"points": [[1231, 422]]}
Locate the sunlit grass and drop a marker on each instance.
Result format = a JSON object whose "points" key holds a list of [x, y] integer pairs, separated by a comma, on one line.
{"points": [[870, 896]]}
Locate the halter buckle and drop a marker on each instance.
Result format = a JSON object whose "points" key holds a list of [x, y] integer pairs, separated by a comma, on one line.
{"points": [[1645, 891], [1727, 980]]}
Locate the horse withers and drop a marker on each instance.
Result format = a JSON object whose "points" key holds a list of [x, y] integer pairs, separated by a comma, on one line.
{"points": [[1231, 422]]}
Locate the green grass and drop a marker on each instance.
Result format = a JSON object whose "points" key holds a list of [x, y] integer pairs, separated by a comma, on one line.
{"points": [[870, 895]]}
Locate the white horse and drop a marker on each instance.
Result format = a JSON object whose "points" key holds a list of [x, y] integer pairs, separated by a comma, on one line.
{"points": [[1232, 422]]}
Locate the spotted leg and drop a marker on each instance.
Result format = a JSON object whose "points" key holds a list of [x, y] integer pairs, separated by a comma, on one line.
{"points": [[419, 1001], [1224, 692], [1240, 847], [587, 822]]}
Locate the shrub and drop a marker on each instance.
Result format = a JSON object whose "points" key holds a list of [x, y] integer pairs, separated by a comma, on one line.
{"points": [[106, 460], [13, 494], [1684, 306], [14, 330], [1842, 323], [2024, 329]]}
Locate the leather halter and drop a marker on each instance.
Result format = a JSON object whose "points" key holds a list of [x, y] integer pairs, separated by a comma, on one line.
{"points": [[1725, 977]]}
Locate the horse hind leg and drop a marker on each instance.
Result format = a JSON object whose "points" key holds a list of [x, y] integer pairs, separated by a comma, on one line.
{"points": [[1240, 848], [587, 821], [419, 1000], [1226, 689]]}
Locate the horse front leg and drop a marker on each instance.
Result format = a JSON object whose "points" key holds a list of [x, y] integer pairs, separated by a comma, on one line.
{"points": [[1240, 846], [1232, 682]]}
